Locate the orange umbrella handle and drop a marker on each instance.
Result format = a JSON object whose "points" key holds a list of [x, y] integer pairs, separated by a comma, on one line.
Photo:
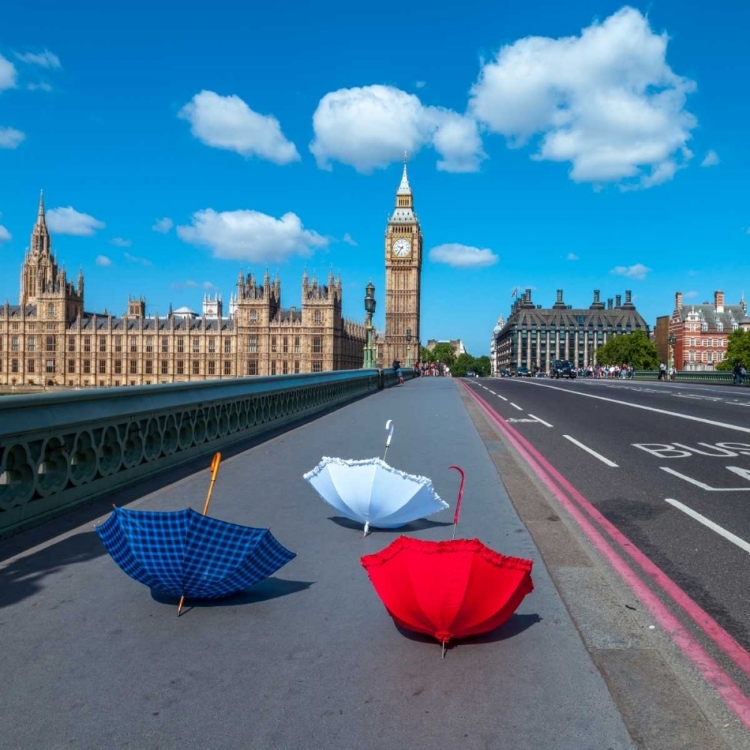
{"points": [[460, 497], [215, 462]]}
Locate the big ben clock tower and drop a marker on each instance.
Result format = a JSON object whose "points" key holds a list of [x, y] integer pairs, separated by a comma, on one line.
{"points": [[403, 270]]}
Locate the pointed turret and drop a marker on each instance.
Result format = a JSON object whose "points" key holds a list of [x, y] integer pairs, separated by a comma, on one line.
{"points": [[40, 242], [404, 212], [404, 188]]}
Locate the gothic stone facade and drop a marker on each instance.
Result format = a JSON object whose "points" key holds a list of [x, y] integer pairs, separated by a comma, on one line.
{"points": [[49, 339], [533, 336], [403, 270]]}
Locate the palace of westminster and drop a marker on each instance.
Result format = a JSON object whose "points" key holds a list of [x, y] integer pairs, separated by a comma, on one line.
{"points": [[50, 339]]}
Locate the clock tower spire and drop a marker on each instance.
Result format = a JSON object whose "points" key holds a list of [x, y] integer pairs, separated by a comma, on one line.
{"points": [[403, 271]]}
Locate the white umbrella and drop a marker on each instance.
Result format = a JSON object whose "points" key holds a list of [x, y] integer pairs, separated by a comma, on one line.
{"points": [[374, 493]]}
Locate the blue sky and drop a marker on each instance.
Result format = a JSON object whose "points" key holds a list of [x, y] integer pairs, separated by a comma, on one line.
{"points": [[584, 145]]}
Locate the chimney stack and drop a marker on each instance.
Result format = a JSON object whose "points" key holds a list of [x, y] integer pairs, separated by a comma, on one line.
{"points": [[628, 297], [618, 300], [559, 304], [719, 302], [678, 300], [528, 296], [596, 296], [609, 303]]}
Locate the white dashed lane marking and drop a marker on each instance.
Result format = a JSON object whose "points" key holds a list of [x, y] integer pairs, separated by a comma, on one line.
{"points": [[741, 543], [516, 406], [591, 451]]}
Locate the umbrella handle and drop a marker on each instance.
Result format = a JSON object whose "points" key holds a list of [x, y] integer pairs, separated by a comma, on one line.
{"points": [[215, 462], [460, 497], [388, 426]]}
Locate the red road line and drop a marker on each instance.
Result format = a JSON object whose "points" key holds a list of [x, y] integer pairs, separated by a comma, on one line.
{"points": [[733, 696]]}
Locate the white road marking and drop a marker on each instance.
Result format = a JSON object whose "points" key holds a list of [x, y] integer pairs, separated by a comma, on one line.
{"points": [[644, 407], [502, 397], [702, 485], [516, 406], [546, 424], [741, 543], [513, 421], [592, 452]]}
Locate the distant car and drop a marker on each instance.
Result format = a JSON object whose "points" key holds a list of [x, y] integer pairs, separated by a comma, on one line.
{"points": [[471, 374], [523, 372], [504, 373], [562, 368]]}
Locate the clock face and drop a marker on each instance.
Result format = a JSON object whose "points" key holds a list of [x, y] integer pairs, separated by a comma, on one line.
{"points": [[402, 248]]}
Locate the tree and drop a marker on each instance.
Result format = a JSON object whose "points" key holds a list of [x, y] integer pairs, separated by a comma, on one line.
{"points": [[426, 355], [483, 366], [629, 348], [445, 353], [738, 350], [464, 363]]}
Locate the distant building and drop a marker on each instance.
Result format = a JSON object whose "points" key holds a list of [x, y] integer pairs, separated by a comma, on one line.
{"points": [[494, 362], [701, 331], [50, 339], [533, 335], [457, 344]]}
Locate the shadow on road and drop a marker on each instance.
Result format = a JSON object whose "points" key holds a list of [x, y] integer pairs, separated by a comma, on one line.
{"points": [[25, 577], [420, 525], [271, 588]]}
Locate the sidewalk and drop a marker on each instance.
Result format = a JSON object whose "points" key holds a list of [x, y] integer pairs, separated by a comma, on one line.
{"points": [[309, 659]]}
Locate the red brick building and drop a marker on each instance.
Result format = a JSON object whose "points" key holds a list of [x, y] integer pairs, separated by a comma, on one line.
{"points": [[701, 331]]}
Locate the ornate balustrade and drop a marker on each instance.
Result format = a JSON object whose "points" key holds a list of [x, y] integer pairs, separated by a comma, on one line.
{"points": [[716, 377], [58, 450]]}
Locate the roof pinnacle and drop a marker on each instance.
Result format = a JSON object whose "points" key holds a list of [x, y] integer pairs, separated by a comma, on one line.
{"points": [[404, 188]]}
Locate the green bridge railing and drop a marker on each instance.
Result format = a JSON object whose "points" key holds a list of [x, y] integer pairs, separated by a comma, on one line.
{"points": [[58, 450], [690, 376]]}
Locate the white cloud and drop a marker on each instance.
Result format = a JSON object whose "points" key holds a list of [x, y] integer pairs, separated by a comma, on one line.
{"points": [[637, 271], [227, 122], [163, 225], [462, 256], [250, 235], [572, 256], [5, 235], [120, 242], [103, 261], [420, 84], [69, 221], [136, 259], [7, 74], [349, 240], [711, 159], [605, 101], [690, 295], [44, 59], [190, 284], [370, 127], [42, 86], [10, 138]]}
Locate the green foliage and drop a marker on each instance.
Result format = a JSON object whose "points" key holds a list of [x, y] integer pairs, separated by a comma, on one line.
{"points": [[465, 363], [483, 366], [444, 353], [738, 350], [426, 355], [629, 348]]}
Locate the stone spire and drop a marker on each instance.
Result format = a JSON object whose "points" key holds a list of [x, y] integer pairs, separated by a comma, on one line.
{"points": [[40, 241], [404, 188]]}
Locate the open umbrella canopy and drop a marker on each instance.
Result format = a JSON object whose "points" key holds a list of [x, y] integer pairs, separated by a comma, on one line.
{"points": [[374, 493], [450, 589], [183, 553]]}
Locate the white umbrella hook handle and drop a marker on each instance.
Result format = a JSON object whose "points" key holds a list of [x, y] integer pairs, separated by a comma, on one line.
{"points": [[388, 426]]}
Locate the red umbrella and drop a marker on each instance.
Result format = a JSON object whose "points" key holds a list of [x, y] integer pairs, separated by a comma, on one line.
{"points": [[450, 589]]}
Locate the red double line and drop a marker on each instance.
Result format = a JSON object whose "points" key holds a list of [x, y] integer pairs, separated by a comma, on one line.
{"points": [[577, 505]]}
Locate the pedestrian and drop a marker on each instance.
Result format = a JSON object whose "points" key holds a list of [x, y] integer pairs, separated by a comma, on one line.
{"points": [[662, 371], [399, 374]]}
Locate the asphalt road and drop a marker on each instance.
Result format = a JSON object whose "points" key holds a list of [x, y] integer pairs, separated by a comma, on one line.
{"points": [[668, 464]]}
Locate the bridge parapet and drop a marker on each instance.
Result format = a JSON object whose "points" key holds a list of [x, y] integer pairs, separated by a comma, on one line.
{"points": [[58, 450]]}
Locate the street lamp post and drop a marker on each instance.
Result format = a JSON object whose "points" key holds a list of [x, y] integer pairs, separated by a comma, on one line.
{"points": [[369, 360], [408, 347], [672, 340]]}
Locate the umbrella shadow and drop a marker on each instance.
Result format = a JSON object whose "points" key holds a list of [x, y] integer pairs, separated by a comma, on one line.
{"points": [[419, 525], [266, 590], [512, 627]]}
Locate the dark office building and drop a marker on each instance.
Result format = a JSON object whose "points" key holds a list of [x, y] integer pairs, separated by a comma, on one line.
{"points": [[533, 335]]}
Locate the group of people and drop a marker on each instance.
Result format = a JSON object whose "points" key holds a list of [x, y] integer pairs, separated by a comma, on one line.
{"points": [[739, 373], [426, 369]]}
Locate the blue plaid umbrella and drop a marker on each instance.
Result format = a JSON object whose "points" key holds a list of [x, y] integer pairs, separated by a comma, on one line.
{"points": [[183, 553]]}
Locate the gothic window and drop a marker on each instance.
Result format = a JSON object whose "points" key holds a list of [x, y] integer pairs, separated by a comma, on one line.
{"points": [[133, 343], [30, 366], [164, 367], [227, 346], [212, 344], [196, 367], [273, 367], [102, 344], [285, 368], [296, 344], [180, 367], [86, 366], [164, 344], [71, 366], [118, 344], [50, 309], [273, 343], [87, 343], [31, 343], [252, 344], [317, 346], [14, 365], [211, 367], [296, 366], [317, 316], [14, 344], [149, 367], [49, 366], [253, 316], [317, 365], [180, 344], [285, 344], [252, 367], [133, 366], [227, 367], [50, 344], [102, 366], [196, 346], [118, 367], [149, 344]]}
